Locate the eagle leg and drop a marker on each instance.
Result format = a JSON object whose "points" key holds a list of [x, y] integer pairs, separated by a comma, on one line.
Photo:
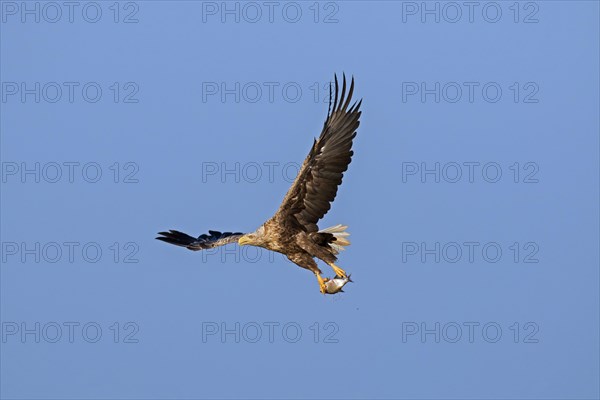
{"points": [[322, 286], [338, 271]]}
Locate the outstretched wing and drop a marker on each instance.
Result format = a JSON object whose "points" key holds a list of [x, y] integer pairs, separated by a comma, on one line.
{"points": [[315, 187], [213, 239]]}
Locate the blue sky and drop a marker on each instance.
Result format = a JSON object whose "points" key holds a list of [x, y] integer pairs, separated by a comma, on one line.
{"points": [[472, 200]]}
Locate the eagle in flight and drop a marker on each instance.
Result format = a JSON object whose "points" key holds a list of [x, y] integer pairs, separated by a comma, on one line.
{"points": [[293, 229]]}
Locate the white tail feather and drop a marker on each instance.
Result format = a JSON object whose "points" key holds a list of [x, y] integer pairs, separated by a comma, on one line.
{"points": [[340, 234]]}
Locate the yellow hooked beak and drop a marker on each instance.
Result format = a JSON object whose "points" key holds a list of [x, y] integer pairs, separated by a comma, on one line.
{"points": [[243, 240]]}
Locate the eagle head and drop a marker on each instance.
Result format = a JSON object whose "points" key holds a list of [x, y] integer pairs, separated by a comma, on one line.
{"points": [[255, 238]]}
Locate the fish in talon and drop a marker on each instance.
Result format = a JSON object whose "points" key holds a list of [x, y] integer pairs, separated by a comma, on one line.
{"points": [[335, 285]]}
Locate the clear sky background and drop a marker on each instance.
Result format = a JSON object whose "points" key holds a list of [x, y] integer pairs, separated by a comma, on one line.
{"points": [[472, 200]]}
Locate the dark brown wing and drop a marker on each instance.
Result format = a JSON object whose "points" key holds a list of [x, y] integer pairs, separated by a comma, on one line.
{"points": [[213, 239], [315, 187]]}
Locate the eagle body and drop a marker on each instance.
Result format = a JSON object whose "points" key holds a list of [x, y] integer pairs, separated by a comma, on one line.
{"points": [[293, 230]]}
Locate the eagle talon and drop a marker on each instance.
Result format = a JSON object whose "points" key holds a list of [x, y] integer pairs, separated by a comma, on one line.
{"points": [[322, 286], [338, 271]]}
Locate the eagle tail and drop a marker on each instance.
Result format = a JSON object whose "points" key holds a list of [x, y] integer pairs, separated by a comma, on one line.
{"points": [[340, 235], [202, 242], [177, 238]]}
